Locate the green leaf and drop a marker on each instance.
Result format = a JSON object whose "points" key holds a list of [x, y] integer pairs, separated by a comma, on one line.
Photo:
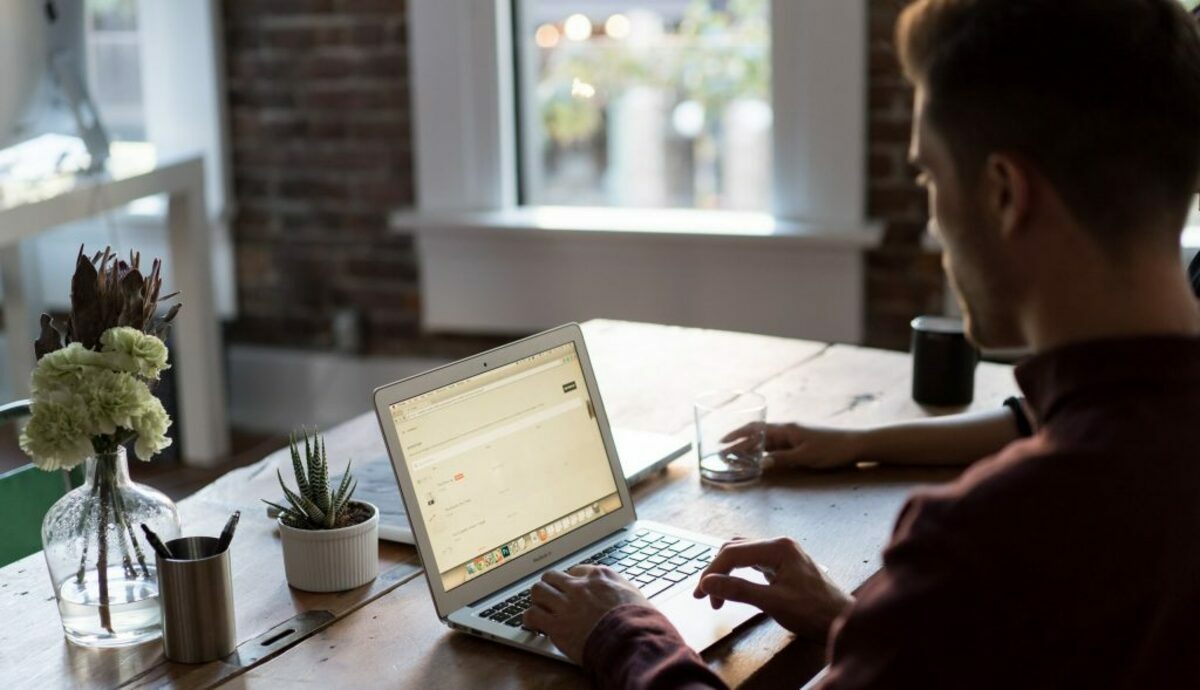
{"points": [[346, 501], [310, 510], [292, 498], [285, 514], [318, 474], [342, 489], [279, 476], [324, 498], [276, 506], [308, 463], [297, 466]]}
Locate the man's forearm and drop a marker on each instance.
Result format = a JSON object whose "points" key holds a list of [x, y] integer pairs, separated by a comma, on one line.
{"points": [[636, 647], [953, 440]]}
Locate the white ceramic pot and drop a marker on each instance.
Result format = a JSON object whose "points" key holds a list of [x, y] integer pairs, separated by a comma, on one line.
{"points": [[332, 560]]}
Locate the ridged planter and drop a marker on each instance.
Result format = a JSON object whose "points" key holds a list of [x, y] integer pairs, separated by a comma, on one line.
{"points": [[332, 560]]}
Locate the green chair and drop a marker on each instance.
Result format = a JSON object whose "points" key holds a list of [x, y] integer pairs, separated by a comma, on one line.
{"points": [[26, 493]]}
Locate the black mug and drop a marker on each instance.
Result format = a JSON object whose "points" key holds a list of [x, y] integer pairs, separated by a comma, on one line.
{"points": [[943, 362]]}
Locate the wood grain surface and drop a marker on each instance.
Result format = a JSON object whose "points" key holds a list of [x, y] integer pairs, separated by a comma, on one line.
{"points": [[34, 654], [387, 635]]}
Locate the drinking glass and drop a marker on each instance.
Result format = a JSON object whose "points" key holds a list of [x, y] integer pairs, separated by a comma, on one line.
{"points": [[730, 436]]}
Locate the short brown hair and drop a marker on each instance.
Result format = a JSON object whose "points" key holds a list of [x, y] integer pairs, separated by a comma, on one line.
{"points": [[1103, 96]]}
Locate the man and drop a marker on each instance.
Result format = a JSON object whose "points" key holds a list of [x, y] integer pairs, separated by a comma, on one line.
{"points": [[1059, 141]]}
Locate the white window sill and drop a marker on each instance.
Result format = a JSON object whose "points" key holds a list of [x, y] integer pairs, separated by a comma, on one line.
{"points": [[631, 224], [519, 271]]}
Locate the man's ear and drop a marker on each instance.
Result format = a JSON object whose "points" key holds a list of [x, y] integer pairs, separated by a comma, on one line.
{"points": [[1008, 192]]}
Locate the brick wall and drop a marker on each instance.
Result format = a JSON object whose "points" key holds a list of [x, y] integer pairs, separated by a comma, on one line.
{"points": [[322, 151], [902, 280], [318, 98]]}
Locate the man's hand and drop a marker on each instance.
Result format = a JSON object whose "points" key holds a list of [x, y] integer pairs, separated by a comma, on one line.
{"points": [[809, 447], [798, 595], [567, 606]]}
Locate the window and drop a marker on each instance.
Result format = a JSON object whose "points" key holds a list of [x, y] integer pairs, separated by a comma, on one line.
{"points": [[652, 104], [473, 151]]}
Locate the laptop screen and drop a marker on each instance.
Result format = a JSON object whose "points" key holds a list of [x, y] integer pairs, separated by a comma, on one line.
{"points": [[504, 462]]}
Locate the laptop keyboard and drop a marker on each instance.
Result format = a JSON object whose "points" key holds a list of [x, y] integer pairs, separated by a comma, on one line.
{"points": [[653, 562]]}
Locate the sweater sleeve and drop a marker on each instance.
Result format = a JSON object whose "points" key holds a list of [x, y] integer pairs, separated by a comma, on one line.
{"points": [[636, 647], [919, 622]]}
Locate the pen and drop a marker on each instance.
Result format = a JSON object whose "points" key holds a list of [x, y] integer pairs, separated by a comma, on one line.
{"points": [[227, 533], [156, 543]]}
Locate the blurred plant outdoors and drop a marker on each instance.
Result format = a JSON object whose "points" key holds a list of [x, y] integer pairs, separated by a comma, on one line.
{"points": [[655, 104]]}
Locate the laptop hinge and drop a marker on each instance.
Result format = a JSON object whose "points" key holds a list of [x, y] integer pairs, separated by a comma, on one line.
{"points": [[479, 601], [559, 562]]}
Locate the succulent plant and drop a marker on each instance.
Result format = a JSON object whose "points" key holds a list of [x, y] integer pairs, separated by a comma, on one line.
{"points": [[107, 292], [314, 505]]}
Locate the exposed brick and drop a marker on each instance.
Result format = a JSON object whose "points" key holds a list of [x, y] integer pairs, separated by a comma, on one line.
{"points": [[893, 202], [321, 150], [903, 280]]}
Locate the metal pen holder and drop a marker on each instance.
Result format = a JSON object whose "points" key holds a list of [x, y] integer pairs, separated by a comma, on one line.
{"points": [[195, 595]]}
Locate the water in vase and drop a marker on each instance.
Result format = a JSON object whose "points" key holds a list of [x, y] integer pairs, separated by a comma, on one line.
{"points": [[133, 612]]}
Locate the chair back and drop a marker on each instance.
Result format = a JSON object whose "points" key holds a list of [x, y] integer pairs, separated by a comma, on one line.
{"points": [[26, 493]]}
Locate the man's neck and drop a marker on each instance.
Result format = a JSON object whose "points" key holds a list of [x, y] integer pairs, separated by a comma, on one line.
{"points": [[1144, 298]]}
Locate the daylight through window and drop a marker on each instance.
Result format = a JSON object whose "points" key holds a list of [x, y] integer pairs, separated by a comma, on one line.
{"points": [[653, 104]]}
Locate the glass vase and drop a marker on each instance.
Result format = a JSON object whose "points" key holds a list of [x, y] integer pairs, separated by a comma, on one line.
{"points": [[100, 564]]}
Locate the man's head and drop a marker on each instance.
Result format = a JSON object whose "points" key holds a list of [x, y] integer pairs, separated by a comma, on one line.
{"points": [[1043, 125]]}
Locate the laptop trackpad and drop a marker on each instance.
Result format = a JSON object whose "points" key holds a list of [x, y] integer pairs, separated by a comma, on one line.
{"points": [[700, 625]]}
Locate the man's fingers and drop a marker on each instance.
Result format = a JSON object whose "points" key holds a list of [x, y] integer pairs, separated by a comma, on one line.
{"points": [[537, 618], [743, 431], [557, 579], [581, 570], [726, 587], [747, 554], [547, 597], [744, 445], [792, 457]]}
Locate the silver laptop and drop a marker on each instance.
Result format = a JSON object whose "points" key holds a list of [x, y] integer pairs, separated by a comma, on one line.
{"points": [[643, 455], [508, 468]]}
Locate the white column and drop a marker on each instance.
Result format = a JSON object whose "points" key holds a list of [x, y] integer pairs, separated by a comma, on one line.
{"points": [[183, 89], [463, 102], [819, 94], [197, 339], [23, 303]]}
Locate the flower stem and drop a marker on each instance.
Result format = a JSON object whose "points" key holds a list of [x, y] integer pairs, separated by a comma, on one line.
{"points": [[82, 522], [104, 475], [123, 518], [123, 542], [118, 508]]}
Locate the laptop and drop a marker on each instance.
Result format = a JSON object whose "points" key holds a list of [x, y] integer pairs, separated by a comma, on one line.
{"points": [[508, 468], [643, 454]]}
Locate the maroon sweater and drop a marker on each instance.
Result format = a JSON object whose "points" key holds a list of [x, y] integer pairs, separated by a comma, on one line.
{"points": [[1069, 560]]}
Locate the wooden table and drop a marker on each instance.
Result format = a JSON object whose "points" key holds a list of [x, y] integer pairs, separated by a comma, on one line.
{"points": [[387, 635]]}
